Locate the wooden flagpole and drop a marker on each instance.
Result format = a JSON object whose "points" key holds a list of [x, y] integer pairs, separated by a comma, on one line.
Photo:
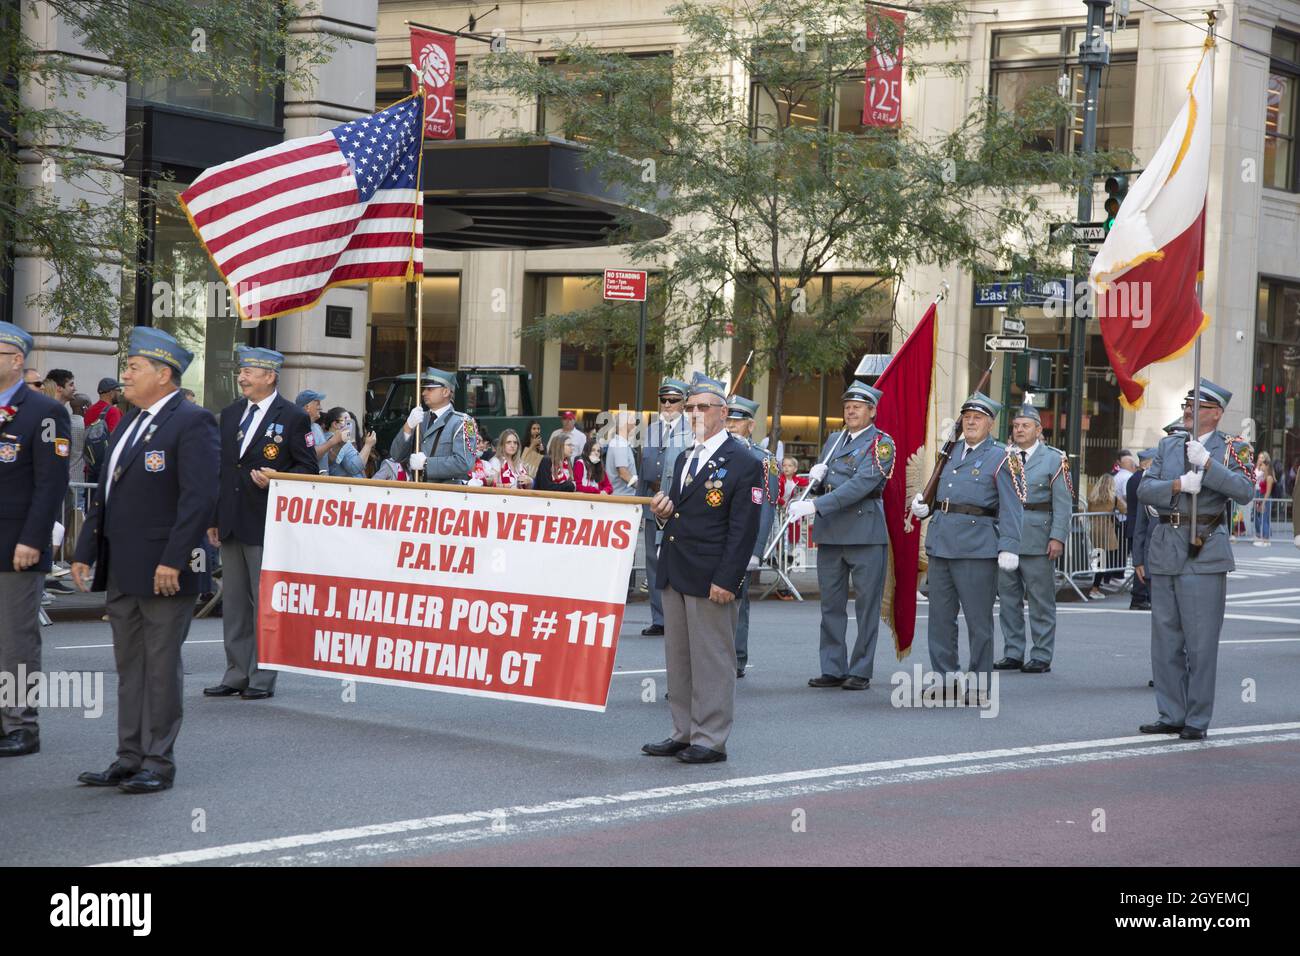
{"points": [[418, 276]]}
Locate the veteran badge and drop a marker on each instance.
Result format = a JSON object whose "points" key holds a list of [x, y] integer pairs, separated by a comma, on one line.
{"points": [[8, 452], [155, 461], [713, 498], [271, 451], [62, 447]]}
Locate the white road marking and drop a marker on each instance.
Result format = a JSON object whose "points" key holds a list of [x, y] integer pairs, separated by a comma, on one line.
{"points": [[1263, 640], [662, 670], [1246, 594], [739, 790], [82, 647]]}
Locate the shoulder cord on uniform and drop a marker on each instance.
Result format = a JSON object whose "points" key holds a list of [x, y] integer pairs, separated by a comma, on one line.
{"points": [[471, 437], [875, 453], [1064, 469], [770, 470], [1017, 472]]}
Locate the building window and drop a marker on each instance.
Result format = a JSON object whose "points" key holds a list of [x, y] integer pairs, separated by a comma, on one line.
{"points": [[392, 325], [1275, 387], [393, 83], [1280, 160], [242, 101], [553, 118], [1027, 61], [807, 105]]}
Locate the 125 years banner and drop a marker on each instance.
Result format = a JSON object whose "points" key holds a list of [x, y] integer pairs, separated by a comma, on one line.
{"points": [[515, 596]]}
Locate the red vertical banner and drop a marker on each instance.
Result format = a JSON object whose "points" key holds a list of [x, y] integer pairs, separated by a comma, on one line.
{"points": [[434, 55], [883, 104]]}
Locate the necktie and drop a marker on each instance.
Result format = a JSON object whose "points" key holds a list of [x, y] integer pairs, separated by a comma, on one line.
{"points": [[1024, 458], [695, 463], [248, 419], [139, 430], [965, 450]]}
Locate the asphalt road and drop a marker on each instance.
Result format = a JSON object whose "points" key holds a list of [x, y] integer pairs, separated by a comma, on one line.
{"points": [[401, 776]]}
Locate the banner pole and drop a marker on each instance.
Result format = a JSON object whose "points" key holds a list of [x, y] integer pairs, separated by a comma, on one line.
{"points": [[1194, 539], [418, 277]]}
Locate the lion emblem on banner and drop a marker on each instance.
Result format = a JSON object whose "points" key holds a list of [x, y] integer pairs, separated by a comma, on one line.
{"points": [[434, 66]]}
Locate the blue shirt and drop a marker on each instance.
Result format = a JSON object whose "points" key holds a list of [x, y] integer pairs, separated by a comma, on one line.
{"points": [[318, 435], [7, 395], [347, 462]]}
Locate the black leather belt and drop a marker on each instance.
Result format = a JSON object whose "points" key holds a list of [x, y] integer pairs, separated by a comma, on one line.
{"points": [[948, 508], [1206, 522], [1038, 506]]}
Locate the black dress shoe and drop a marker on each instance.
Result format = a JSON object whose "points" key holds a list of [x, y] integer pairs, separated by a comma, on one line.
{"points": [[697, 754], [221, 690], [654, 630], [1191, 733], [253, 693], [146, 781], [1036, 667], [665, 748], [19, 743], [826, 680], [1151, 683], [111, 777], [856, 683], [740, 672], [1008, 664], [1159, 728], [1140, 606]]}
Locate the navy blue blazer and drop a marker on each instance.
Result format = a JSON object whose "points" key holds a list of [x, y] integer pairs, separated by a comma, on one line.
{"points": [[160, 502], [711, 534], [283, 442], [34, 455]]}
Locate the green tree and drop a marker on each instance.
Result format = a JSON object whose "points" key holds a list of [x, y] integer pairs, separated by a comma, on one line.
{"points": [[59, 199], [729, 138]]}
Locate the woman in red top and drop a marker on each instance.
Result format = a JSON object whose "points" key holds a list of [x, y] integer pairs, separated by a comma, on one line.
{"points": [[555, 473], [589, 472], [507, 469]]}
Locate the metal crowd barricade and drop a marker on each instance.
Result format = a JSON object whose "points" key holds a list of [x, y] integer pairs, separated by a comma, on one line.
{"points": [[1088, 553], [1262, 520], [794, 552]]}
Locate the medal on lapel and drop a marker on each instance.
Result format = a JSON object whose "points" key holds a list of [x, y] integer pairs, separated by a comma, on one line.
{"points": [[270, 451], [713, 497], [9, 452]]}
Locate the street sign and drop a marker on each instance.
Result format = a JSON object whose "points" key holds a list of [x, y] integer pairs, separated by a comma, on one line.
{"points": [[625, 285], [1005, 343], [1031, 290], [1083, 233], [1012, 326]]}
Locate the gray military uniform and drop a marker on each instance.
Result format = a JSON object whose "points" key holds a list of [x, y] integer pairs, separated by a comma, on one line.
{"points": [[963, 551], [448, 459], [658, 455], [1189, 594], [852, 542], [1046, 518], [765, 520]]}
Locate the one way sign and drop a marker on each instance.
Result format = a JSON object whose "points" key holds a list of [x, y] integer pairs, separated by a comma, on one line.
{"points": [[1078, 232]]}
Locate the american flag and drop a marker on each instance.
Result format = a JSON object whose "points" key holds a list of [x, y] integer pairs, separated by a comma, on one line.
{"points": [[284, 224]]}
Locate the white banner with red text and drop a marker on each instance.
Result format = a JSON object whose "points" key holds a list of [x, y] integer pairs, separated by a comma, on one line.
{"points": [[513, 595]]}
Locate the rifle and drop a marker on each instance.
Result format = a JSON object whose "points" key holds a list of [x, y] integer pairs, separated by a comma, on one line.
{"points": [[740, 376], [945, 453]]}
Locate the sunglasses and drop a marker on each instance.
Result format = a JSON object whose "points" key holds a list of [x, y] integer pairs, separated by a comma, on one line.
{"points": [[668, 400], [700, 408]]}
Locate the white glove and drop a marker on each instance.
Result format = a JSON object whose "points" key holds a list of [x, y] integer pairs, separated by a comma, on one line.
{"points": [[919, 507], [475, 483], [1008, 561], [801, 509], [753, 563], [817, 472], [418, 458], [413, 419], [632, 481], [1190, 482], [1197, 454]]}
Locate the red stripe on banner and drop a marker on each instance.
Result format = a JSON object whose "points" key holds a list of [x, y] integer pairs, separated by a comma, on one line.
{"points": [[379, 240], [392, 210], [309, 267], [293, 240], [252, 198], [323, 204], [247, 167], [526, 647], [356, 272]]}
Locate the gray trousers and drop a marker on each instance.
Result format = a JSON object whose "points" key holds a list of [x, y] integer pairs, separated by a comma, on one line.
{"points": [[866, 564], [241, 569], [971, 584], [1186, 618], [742, 624], [651, 531], [147, 636], [1033, 579], [20, 640], [700, 650]]}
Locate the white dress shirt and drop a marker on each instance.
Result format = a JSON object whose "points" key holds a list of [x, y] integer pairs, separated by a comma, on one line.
{"points": [[262, 406], [131, 436], [704, 453], [1028, 453]]}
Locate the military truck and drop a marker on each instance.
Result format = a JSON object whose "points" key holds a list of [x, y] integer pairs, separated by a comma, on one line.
{"points": [[480, 391]]}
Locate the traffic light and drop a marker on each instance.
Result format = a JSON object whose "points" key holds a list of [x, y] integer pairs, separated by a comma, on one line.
{"points": [[1116, 190]]}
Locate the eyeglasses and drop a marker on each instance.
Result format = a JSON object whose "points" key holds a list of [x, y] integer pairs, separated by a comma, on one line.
{"points": [[700, 408], [668, 400]]}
